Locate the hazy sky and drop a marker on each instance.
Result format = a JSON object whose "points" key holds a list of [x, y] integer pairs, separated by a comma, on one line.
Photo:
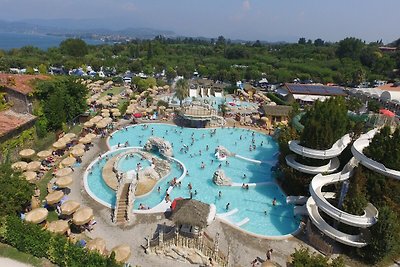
{"points": [[270, 20]]}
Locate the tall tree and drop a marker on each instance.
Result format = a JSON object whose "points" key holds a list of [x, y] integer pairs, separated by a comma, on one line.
{"points": [[15, 191], [181, 90]]}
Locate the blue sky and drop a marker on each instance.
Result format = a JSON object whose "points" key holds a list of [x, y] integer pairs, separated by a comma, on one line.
{"points": [[270, 20]]}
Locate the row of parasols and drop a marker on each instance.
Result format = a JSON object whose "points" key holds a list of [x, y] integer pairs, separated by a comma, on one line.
{"points": [[30, 168], [81, 216], [101, 122]]}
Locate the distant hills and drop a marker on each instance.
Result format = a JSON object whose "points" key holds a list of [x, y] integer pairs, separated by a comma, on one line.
{"points": [[80, 28]]}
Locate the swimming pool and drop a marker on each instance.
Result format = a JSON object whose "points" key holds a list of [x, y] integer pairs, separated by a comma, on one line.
{"points": [[250, 209], [212, 100]]}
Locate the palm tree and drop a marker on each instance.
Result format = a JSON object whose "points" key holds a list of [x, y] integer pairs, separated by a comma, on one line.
{"points": [[181, 90]]}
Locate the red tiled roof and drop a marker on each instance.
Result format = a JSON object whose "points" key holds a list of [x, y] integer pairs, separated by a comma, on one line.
{"points": [[10, 120], [21, 83]]}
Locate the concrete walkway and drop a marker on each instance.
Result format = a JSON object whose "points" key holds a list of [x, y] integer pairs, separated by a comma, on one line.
{"points": [[12, 263]]}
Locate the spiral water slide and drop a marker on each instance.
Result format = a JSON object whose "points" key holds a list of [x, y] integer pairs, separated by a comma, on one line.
{"points": [[319, 199]]}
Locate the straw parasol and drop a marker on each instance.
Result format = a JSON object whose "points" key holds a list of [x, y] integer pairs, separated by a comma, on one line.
{"points": [[114, 101], [37, 215], [88, 124], [77, 152], [63, 172], [33, 166], [78, 146], [70, 135], [101, 124], [35, 202], [30, 176], [58, 227], [85, 140], [96, 119], [113, 110], [82, 215], [54, 197], [122, 253], [129, 111], [64, 139], [44, 154], [91, 135], [105, 110], [117, 114], [27, 153], [68, 161], [105, 115], [64, 181], [20, 165], [97, 244], [59, 145], [69, 207], [264, 119]]}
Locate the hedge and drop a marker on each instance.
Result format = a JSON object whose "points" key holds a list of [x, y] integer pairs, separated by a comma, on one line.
{"points": [[32, 239]]}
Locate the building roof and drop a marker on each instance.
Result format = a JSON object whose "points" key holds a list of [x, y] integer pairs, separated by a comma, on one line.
{"points": [[389, 87], [270, 110], [10, 121], [314, 89], [191, 212], [21, 83]]}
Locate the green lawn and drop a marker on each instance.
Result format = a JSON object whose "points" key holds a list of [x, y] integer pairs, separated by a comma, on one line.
{"points": [[7, 251], [113, 90]]}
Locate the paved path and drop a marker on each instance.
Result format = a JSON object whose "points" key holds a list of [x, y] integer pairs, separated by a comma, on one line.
{"points": [[12, 263]]}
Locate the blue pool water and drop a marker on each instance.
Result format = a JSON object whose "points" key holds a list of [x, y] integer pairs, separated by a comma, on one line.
{"points": [[254, 205], [129, 163]]}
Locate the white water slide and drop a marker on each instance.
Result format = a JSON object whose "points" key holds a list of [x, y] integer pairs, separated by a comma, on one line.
{"points": [[336, 149], [357, 150], [319, 199]]}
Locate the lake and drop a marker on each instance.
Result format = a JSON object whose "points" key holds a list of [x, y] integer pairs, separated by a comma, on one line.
{"points": [[18, 40]]}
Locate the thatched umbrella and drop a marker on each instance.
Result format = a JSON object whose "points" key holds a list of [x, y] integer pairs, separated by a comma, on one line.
{"points": [[37, 215], [58, 227], [68, 161], [54, 197], [101, 124], [27, 153], [96, 119], [82, 215], [70, 135], [114, 101], [33, 166], [191, 212], [64, 139], [78, 146], [97, 244], [35, 202], [30, 176], [122, 253], [59, 145], [264, 119], [20, 165], [105, 115], [255, 117], [77, 152], [117, 114], [91, 135], [64, 181], [88, 124], [268, 264], [85, 140], [44, 154], [113, 110], [105, 110], [129, 111], [69, 207], [63, 172]]}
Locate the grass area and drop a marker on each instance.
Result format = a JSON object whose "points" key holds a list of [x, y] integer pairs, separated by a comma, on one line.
{"points": [[76, 129], [45, 142], [113, 90], [7, 251], [42, 183]]}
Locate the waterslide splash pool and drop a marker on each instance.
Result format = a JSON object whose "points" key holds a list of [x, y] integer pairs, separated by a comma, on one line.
{"points": [[249, 209]]}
